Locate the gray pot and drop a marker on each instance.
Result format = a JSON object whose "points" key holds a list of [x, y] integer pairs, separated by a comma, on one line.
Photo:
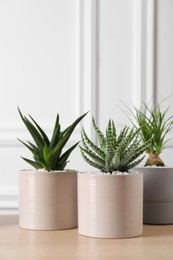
{"points": [[158, 195]]}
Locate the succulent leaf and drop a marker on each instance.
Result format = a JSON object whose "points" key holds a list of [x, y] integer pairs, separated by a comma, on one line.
{"points": [[119, 152], [95, 148], [46, 139], [102, 139], [47, 153]]}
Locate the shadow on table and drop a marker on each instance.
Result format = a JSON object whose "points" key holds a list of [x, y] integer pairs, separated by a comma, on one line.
{"points": [[158, 230], [8, 220]]}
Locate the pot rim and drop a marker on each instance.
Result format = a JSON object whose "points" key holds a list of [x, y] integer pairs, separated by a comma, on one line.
{"points": [[97, 173], [154, 167], [41, 171]]}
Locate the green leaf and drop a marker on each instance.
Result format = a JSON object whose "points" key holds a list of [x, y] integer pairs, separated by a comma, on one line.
{"points": [[61, 166], [102, 139], [58, 148], [115, 161], [121, 153], [64, 157], [29, 147], [86, 141], [55, 138], [46, 139], [45, 152], [90, 162], [93, 156], [34, 164], [56, 123], [33, 131], [69, 130]]}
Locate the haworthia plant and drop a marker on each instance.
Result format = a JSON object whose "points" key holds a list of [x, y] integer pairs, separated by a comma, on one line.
{"points": [[115, 152], [48, 153]]}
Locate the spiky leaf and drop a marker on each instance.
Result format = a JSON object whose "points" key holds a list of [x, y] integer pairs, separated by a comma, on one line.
{"points": [[115, 152], [48, 154]]}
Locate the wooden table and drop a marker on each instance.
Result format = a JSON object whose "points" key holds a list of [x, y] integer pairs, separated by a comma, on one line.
{"points": [[19, 244]]}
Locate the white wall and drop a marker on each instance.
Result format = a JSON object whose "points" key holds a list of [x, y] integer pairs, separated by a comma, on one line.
{"points": [[164, 48], [164, 61], [39, 63], [135, 61], [72, 56], [115, 58]]}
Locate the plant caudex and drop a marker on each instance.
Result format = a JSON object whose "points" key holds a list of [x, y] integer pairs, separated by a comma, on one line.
{"points": [[114, 152], [47, 154], [154, 125]]}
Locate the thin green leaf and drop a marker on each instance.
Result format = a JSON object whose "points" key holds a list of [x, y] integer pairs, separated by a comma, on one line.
{"points": [[46, 139], [55, 138], [34, 164], [65, 155], [45, 152], [33, 131], [29, 147]]}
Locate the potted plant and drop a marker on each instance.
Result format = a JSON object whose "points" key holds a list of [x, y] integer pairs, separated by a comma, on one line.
{"points": [[110, 201], [155, 124], [48, 194]]}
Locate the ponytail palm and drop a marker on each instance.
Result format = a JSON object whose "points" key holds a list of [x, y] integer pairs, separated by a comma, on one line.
{"points": [[155, 125]]}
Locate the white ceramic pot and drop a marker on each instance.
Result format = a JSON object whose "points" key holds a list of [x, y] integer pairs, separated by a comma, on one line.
{"points": [[47, 200], [110, 206], [158, 194]]}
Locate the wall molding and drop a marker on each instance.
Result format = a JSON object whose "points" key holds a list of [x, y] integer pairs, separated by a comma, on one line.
{"points": [[86, 74], [144, 52], [88, 59], [8, 199], [144, 78], [150, 52], [137, 53], [8, 136], [87, 90]]}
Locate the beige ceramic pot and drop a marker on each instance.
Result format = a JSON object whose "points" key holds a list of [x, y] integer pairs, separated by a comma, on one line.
{"points": [[47, 200], [110, 206]]}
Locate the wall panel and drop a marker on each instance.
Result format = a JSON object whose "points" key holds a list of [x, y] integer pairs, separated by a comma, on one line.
{"points": [[74, 56], [39, 68]]}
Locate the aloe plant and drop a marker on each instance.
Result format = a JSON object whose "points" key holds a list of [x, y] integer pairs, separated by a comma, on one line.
{"points": [[114, 152], [47, 154], [154, 124]]}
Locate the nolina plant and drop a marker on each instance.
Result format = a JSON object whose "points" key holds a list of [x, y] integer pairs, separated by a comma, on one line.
{"points": [[47, 154], [114, 152], [155, 125]]}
